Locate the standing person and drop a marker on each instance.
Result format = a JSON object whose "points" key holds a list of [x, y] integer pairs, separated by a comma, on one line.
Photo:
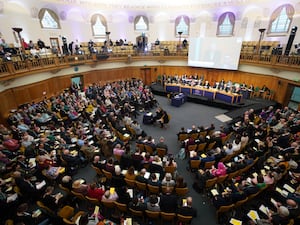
{"points": [[164, 119], [71, 47], [41, 44]]}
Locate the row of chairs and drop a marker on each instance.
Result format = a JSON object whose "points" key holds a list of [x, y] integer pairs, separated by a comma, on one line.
{"points": [[239, 204], [184, 136], [216, 180], [161, 152], [66, 214], [143, 186], [108, 205]]}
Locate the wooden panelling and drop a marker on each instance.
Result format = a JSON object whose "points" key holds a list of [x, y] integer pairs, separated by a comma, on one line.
{"points": [[8, 102], [34, 92]]}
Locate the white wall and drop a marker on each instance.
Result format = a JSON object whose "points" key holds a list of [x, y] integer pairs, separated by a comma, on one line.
{"points": [[75, 20]]}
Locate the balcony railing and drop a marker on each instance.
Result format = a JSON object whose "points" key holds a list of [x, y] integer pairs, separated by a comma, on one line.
{"points": [[17, 67]]}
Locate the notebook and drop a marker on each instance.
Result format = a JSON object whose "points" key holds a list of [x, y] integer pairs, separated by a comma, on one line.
{"points": [[40, 185], [235, 221], [214, 192], [289, 188], [264, 209], [253, 215]]}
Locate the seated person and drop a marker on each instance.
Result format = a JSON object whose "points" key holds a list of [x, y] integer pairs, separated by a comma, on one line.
{"points": [[137, 204], [95, 192], [220, 171], [187, 209], [152, 204], [79, 186], [168, 181], [110, 196], [52, 201]]}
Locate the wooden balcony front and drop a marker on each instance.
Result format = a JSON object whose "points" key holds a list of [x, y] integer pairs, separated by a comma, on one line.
{"points": [[18, 68]]}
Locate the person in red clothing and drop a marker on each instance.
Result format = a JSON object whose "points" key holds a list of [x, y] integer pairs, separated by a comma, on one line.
{"points": [[94, 192]]}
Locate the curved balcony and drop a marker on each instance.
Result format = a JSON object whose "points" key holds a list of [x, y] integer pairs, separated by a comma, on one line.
{"points": [[18, 68]]}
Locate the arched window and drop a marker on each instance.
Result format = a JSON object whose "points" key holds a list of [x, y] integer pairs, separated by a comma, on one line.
{"points": [[281, 20], [99, 25], [48, 19], [226, 24], [141, 23], [182, 24]]}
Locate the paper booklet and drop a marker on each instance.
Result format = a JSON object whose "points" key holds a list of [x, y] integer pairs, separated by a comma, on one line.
{"points": [[253, 215], [235, 221]]}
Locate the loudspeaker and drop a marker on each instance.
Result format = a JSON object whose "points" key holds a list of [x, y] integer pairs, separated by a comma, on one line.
{"points": [[290, 41]]}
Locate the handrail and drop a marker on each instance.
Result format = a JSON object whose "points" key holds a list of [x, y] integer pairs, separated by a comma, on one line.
{"points": [[18, 68]]}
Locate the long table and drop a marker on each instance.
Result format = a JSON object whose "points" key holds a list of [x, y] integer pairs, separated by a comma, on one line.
{"points": [[210, 93]]}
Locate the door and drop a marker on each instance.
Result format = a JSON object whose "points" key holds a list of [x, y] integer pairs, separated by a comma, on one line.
{"points": [[55, 45], [78, 82], [146, 74]]}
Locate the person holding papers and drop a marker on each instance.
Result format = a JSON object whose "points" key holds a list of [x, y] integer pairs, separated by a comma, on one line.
{"points": [[280, 217], [52, 201], [141, 176], [187, 209], [27, 188]]}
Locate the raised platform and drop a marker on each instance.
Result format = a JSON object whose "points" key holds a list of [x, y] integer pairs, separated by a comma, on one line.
{"points": [[235, 110]]}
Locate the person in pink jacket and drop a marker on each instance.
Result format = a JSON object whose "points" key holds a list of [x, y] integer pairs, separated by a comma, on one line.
{"points": [[220, 171]]}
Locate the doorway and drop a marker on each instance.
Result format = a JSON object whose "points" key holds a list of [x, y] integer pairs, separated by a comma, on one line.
{"points": [[55, 45], [146, 74], [294, 101], [78, 81]]}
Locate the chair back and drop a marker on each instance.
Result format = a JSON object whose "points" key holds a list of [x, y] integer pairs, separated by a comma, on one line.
{"points": [[44, 208], [72, 221], [211, 182], [195, 164], [232, 175], [107, 174], [192, 147], [181, 191], [161, 152], [66, 212], [122, 207], [164, 189], [167, 216], [201, 147], [153, 189], [184, 219], [141, 186], [240, 203], [210, 146], [208, 165], [136, 213], [194, 136], [118, 157], [221, 179], [170, 169], [93, 201], [67, 190], [223, 209], [108, 203], [98, 171], [152, 214], [140, 146], [130, 183], [182, 137], [78, 195], [149, 149]]}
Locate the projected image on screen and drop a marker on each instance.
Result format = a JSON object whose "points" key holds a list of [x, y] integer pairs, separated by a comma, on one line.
{"points": [[219, 53]]}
